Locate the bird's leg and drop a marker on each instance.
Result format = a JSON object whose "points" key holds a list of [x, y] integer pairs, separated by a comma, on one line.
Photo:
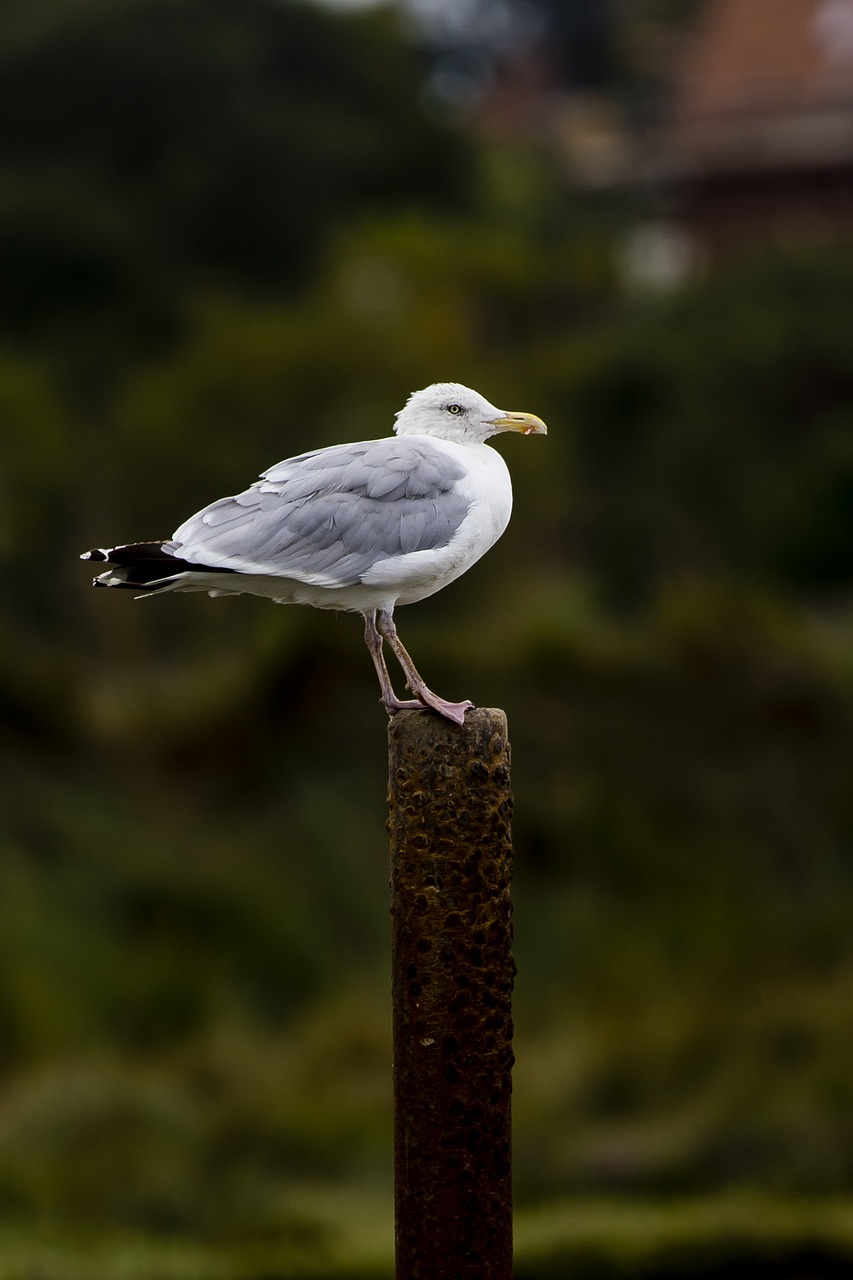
{"points": [[390, 701], [454, 711]]}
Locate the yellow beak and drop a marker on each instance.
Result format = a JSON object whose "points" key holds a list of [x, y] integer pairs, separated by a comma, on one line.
{"points": [[527, 423]]}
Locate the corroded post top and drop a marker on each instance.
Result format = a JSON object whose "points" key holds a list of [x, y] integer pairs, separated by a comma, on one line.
{"points": [[423, 731], [431, 756]]}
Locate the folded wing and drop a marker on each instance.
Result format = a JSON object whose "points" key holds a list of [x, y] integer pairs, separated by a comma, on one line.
{"points": [[329, 516]]}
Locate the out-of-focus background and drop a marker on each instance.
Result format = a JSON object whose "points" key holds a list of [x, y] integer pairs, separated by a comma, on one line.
{"points": [[233, 231]]}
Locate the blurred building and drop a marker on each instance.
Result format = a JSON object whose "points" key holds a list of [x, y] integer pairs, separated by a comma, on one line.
{"points": [[739, 129], [759, 142]]}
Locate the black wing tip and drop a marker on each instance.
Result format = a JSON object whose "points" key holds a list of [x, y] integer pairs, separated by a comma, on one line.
{"points": [[145, 566], [130, 553]]}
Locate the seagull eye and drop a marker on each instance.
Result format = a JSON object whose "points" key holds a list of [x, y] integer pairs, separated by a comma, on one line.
{"points": [[455, 408]]}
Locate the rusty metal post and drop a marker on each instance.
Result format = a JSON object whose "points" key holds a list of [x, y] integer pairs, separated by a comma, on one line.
{"points": [[451, 867]]}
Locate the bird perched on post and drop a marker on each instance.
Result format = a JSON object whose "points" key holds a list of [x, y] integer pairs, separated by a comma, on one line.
{"points": [[360, 527]]}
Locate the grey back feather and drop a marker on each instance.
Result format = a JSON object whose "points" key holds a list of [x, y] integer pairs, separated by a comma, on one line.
{"points": [[328, 516]]}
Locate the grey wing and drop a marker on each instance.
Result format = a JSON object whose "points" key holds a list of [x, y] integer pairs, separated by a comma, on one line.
{"points": [[327, 517]]}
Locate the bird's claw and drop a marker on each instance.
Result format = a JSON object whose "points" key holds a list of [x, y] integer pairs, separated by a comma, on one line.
{"points": [[454, 711]]}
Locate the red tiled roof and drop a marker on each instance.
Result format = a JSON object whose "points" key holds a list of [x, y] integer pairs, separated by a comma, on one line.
{"points": [[767, 83]]}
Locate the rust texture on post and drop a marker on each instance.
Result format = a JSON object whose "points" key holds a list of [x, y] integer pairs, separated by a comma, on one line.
{"points": [[451, 867]]}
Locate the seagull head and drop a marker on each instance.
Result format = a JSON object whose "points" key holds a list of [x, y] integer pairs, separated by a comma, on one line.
{"points": [[453, 412]]}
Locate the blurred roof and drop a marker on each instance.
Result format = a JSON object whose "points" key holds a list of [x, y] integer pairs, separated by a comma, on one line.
{"points": [[766, 84]]}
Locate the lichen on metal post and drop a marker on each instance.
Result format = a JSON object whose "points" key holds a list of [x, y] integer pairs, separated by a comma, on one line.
{"points": [[451, 868]]}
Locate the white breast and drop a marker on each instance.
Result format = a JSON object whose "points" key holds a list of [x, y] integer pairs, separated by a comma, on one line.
{"points": [[487, 486]]}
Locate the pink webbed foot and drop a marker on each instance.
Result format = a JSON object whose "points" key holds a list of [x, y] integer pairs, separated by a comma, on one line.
{"points": [[454, 711]]}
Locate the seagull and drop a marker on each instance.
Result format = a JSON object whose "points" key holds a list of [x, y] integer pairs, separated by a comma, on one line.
{"points": [[357, 527]]}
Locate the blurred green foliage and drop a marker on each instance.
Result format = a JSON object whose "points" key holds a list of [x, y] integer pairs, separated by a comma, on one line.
{"points": [[228, 234]]}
